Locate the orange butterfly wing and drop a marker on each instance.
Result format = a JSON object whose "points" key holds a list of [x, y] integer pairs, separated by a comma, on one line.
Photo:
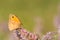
{"points": [[14, 22]]}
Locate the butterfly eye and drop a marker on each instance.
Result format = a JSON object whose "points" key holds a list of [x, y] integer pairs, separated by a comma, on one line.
{"points": [[12, 16]]}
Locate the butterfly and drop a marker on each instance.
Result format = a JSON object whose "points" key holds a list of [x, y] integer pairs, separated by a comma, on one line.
{"points": [[14, 22]]}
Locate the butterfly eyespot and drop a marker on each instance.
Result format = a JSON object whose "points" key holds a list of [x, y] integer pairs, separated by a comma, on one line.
{"points": [[12, 16]]}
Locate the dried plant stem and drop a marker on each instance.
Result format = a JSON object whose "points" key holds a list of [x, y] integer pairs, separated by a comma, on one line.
{"points": [[59, 20], [38, 26]]}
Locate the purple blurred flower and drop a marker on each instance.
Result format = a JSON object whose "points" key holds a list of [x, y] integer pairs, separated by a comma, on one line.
{"points": [[49, 36], [23, 34]]}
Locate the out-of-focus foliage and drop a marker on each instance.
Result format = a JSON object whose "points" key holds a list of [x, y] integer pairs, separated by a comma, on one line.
{"points": [[26, 10]]}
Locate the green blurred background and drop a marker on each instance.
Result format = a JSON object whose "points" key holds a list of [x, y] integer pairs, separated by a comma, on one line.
{"points": [[26, 10]]}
